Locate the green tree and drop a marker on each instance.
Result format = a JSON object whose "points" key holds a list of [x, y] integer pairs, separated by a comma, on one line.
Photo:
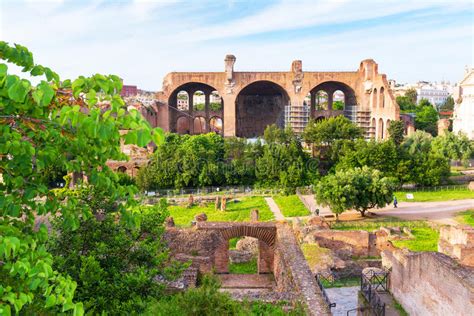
{"points": [[329, 135], [448, 105], [396, 132], [412, 95], [56, 122], [406, 105], [338, 105], [425, 165], [359, 189], [115, 265], [426, 118], [454, 147]]}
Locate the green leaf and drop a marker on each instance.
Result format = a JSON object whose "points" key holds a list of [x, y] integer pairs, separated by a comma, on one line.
{"points": [[50, 301], [3, 70], [37, 70], [131, 137], [158, 136], [143, 137], [18, 91], [78, 309]]}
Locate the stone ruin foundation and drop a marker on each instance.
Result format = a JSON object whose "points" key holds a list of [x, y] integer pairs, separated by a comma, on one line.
{"points": [[206, 246]]}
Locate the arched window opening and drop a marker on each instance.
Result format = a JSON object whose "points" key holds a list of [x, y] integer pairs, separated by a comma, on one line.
{"points": [[199, 125], [374, 98], [321, 100], [199, 101], [182, 125], [122, 169], [215, 125], [182, 101], [338, 100], [381, 129], [382, 98], [215, 102]]}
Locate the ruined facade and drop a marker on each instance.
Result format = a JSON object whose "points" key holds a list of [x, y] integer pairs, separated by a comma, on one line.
{"points": [[252, 100], [207, 247]]}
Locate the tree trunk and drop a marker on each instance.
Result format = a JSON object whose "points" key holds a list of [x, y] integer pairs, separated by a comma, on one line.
{"points": [[362, 213]]}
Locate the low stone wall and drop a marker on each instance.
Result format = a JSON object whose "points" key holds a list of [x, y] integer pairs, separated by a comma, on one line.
{"points": [[458, 242], [430, 283], [292, 273], [350, 243]]}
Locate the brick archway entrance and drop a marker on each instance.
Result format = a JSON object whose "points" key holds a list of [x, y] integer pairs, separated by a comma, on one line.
{"points": [[264, 232]]}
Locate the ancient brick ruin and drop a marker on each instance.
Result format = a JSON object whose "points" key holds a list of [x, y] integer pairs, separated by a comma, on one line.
{"points": [[207, 246], [250, 101]]}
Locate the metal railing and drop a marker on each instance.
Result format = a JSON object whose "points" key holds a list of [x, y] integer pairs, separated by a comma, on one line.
{"points": [[323, 291], [371, 284]]}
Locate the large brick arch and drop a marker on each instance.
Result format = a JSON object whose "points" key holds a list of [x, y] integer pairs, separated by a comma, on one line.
{"points": [[360, 87], [264, 232], [259, 104]]}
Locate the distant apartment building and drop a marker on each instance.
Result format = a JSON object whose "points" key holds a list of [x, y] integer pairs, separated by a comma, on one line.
{"points": [[436, 93], [463, 118], [129, 91]]}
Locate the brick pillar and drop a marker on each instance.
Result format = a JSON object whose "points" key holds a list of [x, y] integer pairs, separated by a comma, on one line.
{"points": [[265, 258], [190, 111], [230, 114], [206, 107], [221, 258], [330, 99]]}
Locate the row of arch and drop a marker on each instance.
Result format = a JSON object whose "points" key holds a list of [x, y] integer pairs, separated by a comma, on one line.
{"points": [[199, 125], [201, 101], [378, 99], [380, 128]]}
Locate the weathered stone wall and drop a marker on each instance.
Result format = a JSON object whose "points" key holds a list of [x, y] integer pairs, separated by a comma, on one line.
{"points": [[457, 242], [430, 283], [292, 272], [198, 246]]}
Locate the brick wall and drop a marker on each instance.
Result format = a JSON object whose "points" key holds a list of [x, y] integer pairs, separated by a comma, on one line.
{"points": [[430, 283], [458, 242], [292, 272]]}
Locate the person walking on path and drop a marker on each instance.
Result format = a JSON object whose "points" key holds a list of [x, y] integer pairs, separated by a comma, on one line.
{"points": [[395, 202]]}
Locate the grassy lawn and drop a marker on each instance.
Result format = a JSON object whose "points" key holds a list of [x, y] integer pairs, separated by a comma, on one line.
{"points": [[237, 211], [291, 206], [425, 237], [244, 267], [314, 254], [345, 282], [466, 217], [442, 195]]}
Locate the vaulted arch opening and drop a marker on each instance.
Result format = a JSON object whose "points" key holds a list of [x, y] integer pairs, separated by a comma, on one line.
{"points": [[258, 105]]}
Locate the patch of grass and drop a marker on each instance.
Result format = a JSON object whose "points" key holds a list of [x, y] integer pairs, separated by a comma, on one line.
{"points": [[399, 308], [233, 242], [372, 224], [426, 239], [237, 211], [344, 282], [313, 253], [431, 196], [291, 205], [244, 267], [466, 217]]}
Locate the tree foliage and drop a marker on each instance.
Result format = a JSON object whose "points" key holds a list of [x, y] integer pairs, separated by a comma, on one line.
{"points": [[56, 122], [115, 265], [359, 189], [396, 132]]}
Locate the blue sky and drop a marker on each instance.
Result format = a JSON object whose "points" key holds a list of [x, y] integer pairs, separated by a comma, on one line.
{"points": [[143, 40]]}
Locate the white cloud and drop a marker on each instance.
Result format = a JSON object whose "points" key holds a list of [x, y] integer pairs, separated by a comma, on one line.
{"points": [[143, 40]]}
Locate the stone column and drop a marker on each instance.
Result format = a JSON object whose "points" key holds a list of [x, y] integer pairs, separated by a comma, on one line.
{"points": [[221, 257], [206, 107], [230, 115], [190, 111], [265, 258], [330, 99]]}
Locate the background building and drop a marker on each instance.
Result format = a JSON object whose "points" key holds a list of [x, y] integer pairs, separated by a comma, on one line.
{"points": [[463, 120]]}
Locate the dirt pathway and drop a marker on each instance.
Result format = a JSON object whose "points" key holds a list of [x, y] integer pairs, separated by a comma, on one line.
{"points": [[275, 209]]}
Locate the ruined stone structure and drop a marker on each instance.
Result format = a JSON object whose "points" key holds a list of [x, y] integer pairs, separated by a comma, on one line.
{"points": [[207, 246], [430, 283], [457, 242], [252, 100]]}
